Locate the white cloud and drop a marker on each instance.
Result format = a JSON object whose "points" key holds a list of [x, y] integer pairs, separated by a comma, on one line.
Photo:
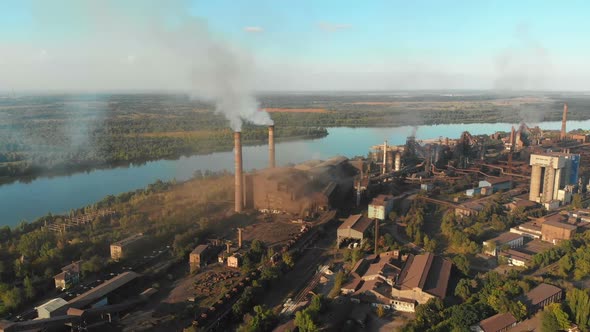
{"points": [[327, 26], [131, 59], [253, 29]]}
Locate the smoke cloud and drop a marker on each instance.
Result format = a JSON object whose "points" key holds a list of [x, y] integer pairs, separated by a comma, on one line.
{"points": [[143, 45]]}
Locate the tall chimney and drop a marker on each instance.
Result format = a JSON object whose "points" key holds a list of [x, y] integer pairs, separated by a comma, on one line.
{"points": [[239, 194], [563, 122], [385, 157], [239, 238], [228, 247], [271, 146], [376, 236], [512, 139]]}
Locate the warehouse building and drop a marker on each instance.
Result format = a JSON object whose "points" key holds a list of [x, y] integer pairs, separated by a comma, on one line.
{"points": [[126, 247], [354, 227]]}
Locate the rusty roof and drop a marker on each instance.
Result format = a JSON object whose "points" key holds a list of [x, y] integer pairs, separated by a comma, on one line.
{"points": [[498, 180], [429, 272], [559, 225], [497, 322], [505, 238], [358, 222], [540, 293]]}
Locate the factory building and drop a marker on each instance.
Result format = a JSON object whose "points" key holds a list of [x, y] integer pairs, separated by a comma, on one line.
{"points": [[303, 190], [125, 247], [380, 207], [553, 177], [555, 231], [52, 308], [354, 227], [511, 240], [423, 277]]}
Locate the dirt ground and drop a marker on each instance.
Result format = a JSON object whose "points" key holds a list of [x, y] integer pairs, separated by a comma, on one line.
{"points": [[206, 287], [272, 233]]}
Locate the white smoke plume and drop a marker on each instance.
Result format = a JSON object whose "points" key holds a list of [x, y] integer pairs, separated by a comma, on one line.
{"points": [[112, 45]]}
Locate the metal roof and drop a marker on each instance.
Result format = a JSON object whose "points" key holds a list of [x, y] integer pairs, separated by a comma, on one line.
{"points": [[53, 304], [105, 288]]}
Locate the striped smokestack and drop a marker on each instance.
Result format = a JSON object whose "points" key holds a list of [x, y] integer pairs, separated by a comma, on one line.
{"points": [[239, 194], [563, 122], [271, 146]]}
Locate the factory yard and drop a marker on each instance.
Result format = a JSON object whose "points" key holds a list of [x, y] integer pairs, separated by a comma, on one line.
{"points": [[272, 233], [204, 288]]}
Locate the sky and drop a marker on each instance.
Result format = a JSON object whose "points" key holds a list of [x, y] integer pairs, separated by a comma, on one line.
{"points": [[283, 45]]}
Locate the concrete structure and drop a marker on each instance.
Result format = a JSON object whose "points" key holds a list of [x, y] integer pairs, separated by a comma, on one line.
{"points": [[69, 276], [380, 207], [563, 133], [511, 240], [239, 191], [531, 229], [234, 260], [496, 323], [354, 227], [523, 204], [271, 146], [551, 174], [516, 258], [468, 209], [423, 277], [200, 256], [554, 231], [398, 161], [124, 248], [542, 295], [52, 308], [303, 190]]}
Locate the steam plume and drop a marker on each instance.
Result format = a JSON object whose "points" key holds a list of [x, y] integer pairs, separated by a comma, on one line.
{"points": [[145, 43]]}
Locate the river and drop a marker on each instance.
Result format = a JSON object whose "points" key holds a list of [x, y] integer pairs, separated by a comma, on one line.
{"points": [[28, 201]]}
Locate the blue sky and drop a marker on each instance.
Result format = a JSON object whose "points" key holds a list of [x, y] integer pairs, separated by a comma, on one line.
{"points": [[307, 45]]}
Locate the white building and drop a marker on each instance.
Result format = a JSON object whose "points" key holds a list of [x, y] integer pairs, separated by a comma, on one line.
{"points": [[511, 240], [51, 308], [380, 207]]}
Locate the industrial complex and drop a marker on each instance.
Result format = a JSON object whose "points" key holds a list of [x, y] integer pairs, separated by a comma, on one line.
{"points": [[374, 220]]}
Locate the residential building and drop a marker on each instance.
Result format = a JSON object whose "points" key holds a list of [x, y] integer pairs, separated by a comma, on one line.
{"points": [[423, 277], [125, 247], [69, 276], [380, 207], [354, 227], [497, 323], [541, 296], [510, 240]]}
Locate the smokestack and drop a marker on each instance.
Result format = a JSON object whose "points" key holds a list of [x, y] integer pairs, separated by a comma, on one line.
{"points": [[227, 247], [239, 194], [385, 157], [563, 122], [376, 236], [512, 139], [239, 238], [271, 146]]}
